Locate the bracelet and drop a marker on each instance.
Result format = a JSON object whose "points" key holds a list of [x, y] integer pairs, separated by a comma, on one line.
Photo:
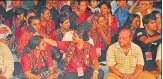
{"points": [[96, 71]]}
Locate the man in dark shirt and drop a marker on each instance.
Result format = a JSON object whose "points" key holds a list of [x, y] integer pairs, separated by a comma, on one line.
{"points": [[148, 39]]}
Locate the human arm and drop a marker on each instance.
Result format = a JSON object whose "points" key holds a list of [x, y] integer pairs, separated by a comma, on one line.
{"points": [[50, 42], [148, 40], [111, 62], [158, 59], [29, 75], [9, 62], [106, 37], [133, 6]]}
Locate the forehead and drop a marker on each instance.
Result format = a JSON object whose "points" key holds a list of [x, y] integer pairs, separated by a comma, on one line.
{"points": [[35, 20], [83, 3], [124, 33], [144, 2]]}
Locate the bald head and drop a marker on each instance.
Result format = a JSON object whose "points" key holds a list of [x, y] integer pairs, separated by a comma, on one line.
{"points": [[126, 32], [124, 37]]}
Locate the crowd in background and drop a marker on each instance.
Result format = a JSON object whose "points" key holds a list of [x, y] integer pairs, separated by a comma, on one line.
{"points": [[53, 39]]}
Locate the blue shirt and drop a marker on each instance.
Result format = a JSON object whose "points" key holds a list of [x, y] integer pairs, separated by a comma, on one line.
{"points": [[121, 16]]}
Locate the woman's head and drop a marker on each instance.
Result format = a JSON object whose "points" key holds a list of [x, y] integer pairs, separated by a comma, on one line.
{"points": [[105, 7], [66, 8], [157, 14], [80, 34], [64, 21], [44, 13], [102, 20], [19, 13], [28, 14], [133, 21], [37, 42]]}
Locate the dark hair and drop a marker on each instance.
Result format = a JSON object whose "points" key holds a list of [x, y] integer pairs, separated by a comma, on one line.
{"points": [[130, 19], [155, 12], [107, 4], [31, 18], [147, 18], [19, 11], [91, 0], [32, 43], [29, 11], [66, 8], [121, 0], [42, 10], [63, 17], [82, 33], [2, 10], [79, 1]]}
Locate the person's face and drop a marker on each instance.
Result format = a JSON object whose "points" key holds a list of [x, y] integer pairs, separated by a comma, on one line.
{"points": [[102, 21], [36, 24], [158, 18], [124, 38], [49, 4], [121, 3], [143, 5], [136, 22], [46, 15], [16, 3], [152, 25], [42, 45], [83, 6], [104, 9], [93, 3], [66, 24], [21, 17], [29, 15], [75, 37]]}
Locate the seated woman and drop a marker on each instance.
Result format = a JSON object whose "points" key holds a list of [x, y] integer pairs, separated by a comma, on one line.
{"points": [[37, 58], [81, 60]]}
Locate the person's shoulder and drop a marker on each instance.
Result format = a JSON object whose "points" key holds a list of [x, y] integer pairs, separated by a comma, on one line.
{"points": [[114, 45], [135, 46], [140, 31]]}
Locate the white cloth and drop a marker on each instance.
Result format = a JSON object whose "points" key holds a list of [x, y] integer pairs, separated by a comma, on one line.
{"points": [[68, 37], [158, 56]]}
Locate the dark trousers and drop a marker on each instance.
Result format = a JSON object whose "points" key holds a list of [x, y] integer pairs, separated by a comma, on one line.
{"points": [[87, 75]]}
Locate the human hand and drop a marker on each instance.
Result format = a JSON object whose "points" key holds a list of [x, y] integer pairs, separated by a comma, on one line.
{"points": [[53, 76], [94, 76], [4, 41], [3, 77]]}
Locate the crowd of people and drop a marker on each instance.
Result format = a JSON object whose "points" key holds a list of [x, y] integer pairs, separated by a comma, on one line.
{"points": [[53, 39]]}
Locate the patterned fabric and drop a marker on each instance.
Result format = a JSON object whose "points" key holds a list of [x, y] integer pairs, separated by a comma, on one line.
{"points": [[125, 64], [70, 52]]}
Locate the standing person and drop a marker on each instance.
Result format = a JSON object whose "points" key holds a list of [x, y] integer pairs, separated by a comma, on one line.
{"points": [[124, 58], [79, 56], [121, 12], [36, 58]]}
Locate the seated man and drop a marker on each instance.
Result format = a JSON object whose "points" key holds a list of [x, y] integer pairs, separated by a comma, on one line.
{"points": [[124, 58], [6, 62], [149, 39]]}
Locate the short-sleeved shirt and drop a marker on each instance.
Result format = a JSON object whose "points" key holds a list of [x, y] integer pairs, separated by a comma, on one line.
{"points": [[159, 53], [63, 45], [121, 16], [149, 65], [26, 63], [125, 64]]}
